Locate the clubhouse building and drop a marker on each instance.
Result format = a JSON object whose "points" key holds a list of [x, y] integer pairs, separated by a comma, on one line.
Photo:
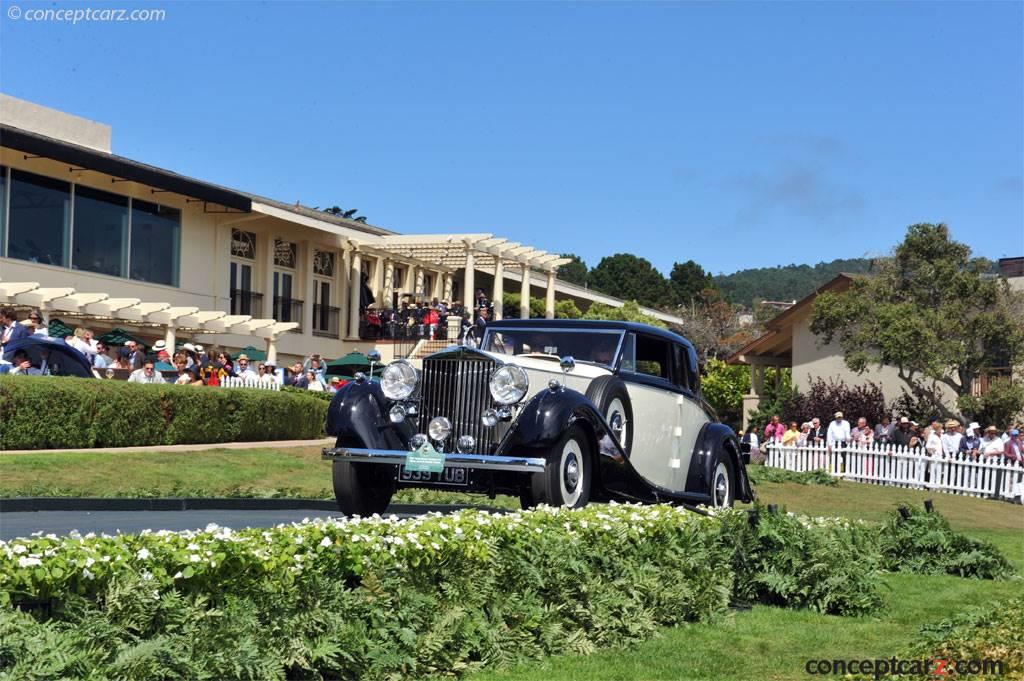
{"points": [[100, 240]]}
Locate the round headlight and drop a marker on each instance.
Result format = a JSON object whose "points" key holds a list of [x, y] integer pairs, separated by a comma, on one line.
{"points": [[397, 413], [509, 384], [439, 428], [398, 380]]}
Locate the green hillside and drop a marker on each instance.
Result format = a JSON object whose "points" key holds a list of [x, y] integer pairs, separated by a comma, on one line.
{"points": [[789, 282]]}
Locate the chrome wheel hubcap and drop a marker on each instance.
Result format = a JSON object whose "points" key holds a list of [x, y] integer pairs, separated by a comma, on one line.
{"points": [[572, 472]]}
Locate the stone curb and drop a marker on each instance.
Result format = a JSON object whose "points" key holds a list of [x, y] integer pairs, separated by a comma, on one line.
{"points": [[37, 504]]}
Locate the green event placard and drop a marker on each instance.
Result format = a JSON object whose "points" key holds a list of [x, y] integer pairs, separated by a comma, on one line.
{"points": [[426, 459]]}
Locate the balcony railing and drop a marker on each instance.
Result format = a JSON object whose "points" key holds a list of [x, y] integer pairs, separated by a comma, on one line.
{"points": [[325, 321], [246, 302], [288, 310]]}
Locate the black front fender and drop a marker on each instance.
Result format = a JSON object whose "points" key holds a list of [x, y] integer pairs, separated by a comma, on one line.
{"points": [[546, 417], [359, 411]]}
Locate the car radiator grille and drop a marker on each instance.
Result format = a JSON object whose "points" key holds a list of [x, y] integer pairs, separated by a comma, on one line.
{"points": [[458, 390]]}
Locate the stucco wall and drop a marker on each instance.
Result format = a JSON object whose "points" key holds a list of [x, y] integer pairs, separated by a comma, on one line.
{"points": [[812, 361], [45, 121]]}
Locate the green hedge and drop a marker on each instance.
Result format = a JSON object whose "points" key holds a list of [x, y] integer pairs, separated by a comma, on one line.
{"points": [[70, 413]]}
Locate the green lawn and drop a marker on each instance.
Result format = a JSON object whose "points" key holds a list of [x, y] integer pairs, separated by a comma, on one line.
{"points": [[762, 643]]}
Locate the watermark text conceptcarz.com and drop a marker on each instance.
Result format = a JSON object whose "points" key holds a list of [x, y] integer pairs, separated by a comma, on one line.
{"points": [[79, 15], [894, 666]]}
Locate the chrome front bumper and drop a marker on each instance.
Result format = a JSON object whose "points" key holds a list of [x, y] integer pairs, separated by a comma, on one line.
{"points": [[486, 462]]}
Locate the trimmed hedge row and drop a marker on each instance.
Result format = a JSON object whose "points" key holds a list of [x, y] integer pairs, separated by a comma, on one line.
{"points": [[41, 412]]}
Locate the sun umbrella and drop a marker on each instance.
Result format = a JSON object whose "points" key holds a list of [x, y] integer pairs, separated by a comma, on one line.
{"points": [[348, 365], [254, 354], [62, 359], [116, 337]]}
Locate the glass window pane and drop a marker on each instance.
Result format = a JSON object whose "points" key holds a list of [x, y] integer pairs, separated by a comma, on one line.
{"points": [[40, 208], [156, 243], [100, 232]]}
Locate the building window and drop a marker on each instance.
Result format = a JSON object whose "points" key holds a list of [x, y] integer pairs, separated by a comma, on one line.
{"points": [[40, 219], [100, 241], [156, 243], [243, 244], [285, 254], [323, 263]]}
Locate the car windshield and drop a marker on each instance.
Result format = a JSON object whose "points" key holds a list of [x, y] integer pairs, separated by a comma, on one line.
{"points": [[583, 345]]}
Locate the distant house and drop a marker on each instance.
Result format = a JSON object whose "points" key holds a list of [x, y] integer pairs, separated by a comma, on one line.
{"points": [[789, 342]]}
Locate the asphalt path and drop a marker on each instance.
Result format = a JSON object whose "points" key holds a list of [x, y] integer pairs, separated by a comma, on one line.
{"points": [[20, 524]]}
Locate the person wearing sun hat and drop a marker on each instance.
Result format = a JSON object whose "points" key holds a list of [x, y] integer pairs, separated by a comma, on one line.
{"points": [[970, 444], [951, 438], [992, 444], [1013, 449], [838, 430]]}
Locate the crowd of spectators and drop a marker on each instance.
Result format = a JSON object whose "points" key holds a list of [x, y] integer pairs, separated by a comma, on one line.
{"points": [[429, 320], [938, 438], [191, 364]]}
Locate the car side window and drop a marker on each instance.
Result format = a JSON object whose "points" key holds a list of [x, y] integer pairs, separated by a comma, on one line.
{"points": [[628, 362], [654, 357], [681, 368]]}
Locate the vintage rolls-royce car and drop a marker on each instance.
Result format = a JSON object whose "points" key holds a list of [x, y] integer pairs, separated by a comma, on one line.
{"points": [[559, 412]]}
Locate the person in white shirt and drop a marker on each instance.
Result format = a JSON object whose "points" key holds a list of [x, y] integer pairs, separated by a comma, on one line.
{"points": [[146, 374], [838, 431], [314, 382], [933, 439], [992, 444], [244, 371], [951, 438]]}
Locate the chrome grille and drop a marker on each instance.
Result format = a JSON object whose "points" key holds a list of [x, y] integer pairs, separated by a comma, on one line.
{"points": [[458, 390]]}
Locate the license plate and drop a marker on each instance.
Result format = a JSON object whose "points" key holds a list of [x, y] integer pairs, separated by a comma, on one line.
{"points": [[449, 476]]}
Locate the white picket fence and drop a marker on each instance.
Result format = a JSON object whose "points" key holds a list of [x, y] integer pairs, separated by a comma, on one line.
{"points": [[236, 382], [993, 477]]}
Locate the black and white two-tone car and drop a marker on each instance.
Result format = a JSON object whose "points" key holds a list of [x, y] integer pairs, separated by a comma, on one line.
{"points": [[557, 412]]}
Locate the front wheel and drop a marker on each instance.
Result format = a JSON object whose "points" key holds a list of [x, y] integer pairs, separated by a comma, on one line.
{"points": [[723, 483], [362, 489], [568, 474]]}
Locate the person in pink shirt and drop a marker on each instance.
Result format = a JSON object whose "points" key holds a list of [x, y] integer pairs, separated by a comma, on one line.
{"points": [[774, 431]]}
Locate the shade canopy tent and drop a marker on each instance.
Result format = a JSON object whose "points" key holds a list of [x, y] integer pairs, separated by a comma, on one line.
{"points": [[58, 329], [254, 354], [117, 336], [348, 365], [61, 360]]}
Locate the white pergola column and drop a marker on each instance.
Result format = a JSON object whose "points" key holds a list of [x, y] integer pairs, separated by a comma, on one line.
{"points": [[268, 277], [447, 291], [306, 272], [499, 286], [549, 302], [387, 285], [377, 280], [170, 338], [341, 274], [436, 289], [355, 277], [524, 294], [418, 289], [272, 351], [469, 281]]}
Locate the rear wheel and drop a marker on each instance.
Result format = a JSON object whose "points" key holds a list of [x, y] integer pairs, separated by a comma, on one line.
{"points": [[723, 482], [567, 477], [362, 489]]}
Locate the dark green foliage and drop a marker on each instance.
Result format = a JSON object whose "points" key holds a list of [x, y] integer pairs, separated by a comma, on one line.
{"points": [[574, 272], [827, 565], [1001, 405], [924, 543], [629, 277], [69, 413], [759, 474], [688, 280], [790, 282], [825, 398]]}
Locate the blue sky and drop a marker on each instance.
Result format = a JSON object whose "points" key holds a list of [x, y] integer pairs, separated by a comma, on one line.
{"points": [[736, 134]]}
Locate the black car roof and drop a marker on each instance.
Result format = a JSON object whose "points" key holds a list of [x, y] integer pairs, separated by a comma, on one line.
{"points": [[612, 325]]}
